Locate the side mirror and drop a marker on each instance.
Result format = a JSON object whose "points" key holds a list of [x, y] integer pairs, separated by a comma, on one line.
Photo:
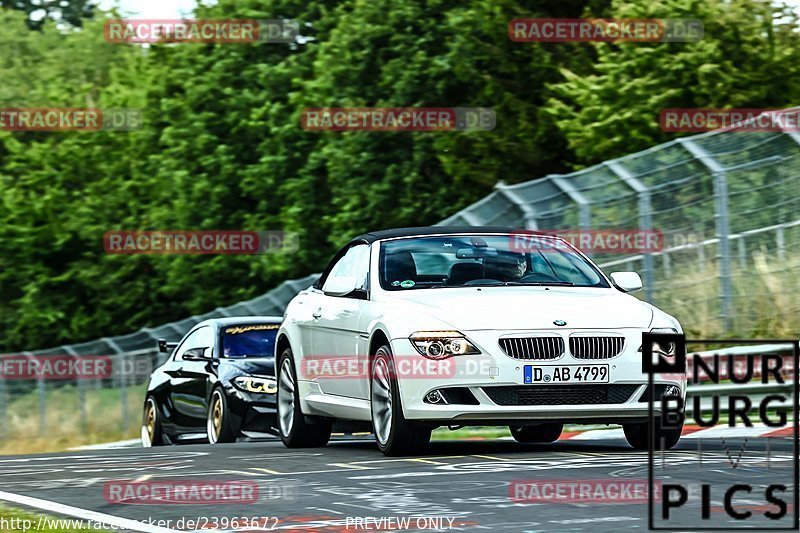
{"points": [[164, 346], [340, 286], [196, 354], [627, 281]]}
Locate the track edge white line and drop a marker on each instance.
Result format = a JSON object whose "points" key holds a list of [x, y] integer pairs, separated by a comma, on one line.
{"points": [[84, 514]]}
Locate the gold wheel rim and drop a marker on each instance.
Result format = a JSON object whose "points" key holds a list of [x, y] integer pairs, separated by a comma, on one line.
{"points": [[151, 420], [217, 416]]}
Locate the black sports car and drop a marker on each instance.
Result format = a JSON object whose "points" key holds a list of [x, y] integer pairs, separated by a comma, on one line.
{"points": [[218, 384]]}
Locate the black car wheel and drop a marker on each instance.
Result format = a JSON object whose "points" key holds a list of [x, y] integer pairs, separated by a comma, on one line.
{"points": [[219, 421], [394, 434], [542, 433], [152, 435], [296, 430]]}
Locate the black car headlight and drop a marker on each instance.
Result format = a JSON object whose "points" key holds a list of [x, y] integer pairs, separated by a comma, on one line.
{"points": [[442, 344], [256, 384]]}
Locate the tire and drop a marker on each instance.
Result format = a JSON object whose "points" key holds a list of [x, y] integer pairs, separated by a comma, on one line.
{"points": [[542, 433], [393, 433], [219, 421], [296, 430], [637, 435], [152, 434]]}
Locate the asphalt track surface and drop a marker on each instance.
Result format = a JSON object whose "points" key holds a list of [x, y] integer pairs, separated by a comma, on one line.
{"points": [[328, 489]]}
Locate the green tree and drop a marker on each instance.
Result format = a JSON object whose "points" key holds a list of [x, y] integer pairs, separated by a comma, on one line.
{"points": [[748, 57], [38, 12]]}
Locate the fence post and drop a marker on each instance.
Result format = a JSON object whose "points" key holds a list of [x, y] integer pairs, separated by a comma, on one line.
{"points": [[123, 392], [645, 222], [526, 208], [584, 208], [723, 231], [120, 379], [81, 386], [4, 429], [701, 257], [742, 252], [722, 224], [780, 238], [42, 394]]}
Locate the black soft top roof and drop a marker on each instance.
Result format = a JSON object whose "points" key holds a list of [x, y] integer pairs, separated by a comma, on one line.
{"points": [[437, 230]]}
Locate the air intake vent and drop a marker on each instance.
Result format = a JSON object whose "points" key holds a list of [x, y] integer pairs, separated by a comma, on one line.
{"points": [[533, 348], [561, 394], [596, 347]]}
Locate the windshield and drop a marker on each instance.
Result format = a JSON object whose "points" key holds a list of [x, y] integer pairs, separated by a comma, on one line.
{"points": [[249, 340], [483, 260]]}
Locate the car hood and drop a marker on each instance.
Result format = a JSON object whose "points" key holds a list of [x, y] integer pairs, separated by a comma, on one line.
{"points": [[529, 307], [260, 366]]}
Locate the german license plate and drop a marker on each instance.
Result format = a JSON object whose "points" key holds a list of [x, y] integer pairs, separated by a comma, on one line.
{"points": [[565, 374]]}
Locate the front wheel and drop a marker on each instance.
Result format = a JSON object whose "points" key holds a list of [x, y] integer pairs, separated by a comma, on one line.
{"points": [[637, 435], [394, 434], [152, 434], [219, 425], [296, 431], [542, 433]]}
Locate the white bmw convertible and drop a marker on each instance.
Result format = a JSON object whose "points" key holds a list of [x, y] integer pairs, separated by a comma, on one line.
{"points": [[412, 329]]}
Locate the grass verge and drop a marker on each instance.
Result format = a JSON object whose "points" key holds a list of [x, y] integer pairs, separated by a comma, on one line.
{"points": [[106, 419]]}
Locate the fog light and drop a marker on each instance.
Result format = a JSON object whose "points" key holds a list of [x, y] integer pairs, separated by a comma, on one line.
{"points": [[434, 396], [672, 390]]}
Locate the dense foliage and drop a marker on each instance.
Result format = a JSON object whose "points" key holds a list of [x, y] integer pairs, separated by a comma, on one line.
{"points": [[222, 146]]}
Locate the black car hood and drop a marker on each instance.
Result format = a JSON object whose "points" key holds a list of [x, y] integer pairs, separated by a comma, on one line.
{"points": [[258, 366]]}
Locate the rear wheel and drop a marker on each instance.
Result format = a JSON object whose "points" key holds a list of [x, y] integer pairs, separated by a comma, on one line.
{"points": [[219, 425], [296, 430], [152, 435], [394, 434], [542, 433], [666, 438]]}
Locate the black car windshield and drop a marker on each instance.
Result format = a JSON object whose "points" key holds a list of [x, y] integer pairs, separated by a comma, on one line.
{"points": [[484, 260], [249, 340]]}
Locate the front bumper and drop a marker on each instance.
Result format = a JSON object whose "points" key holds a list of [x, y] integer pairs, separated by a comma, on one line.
{"points": [[255, 413], [489, 388]]}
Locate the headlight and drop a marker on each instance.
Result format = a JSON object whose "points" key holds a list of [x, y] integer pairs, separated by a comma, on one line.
{"points": [[442, 344], [257, 385], [667, 348]]}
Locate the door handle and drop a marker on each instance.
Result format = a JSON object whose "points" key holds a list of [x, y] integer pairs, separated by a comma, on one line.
{"points": [[316, 314]]}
